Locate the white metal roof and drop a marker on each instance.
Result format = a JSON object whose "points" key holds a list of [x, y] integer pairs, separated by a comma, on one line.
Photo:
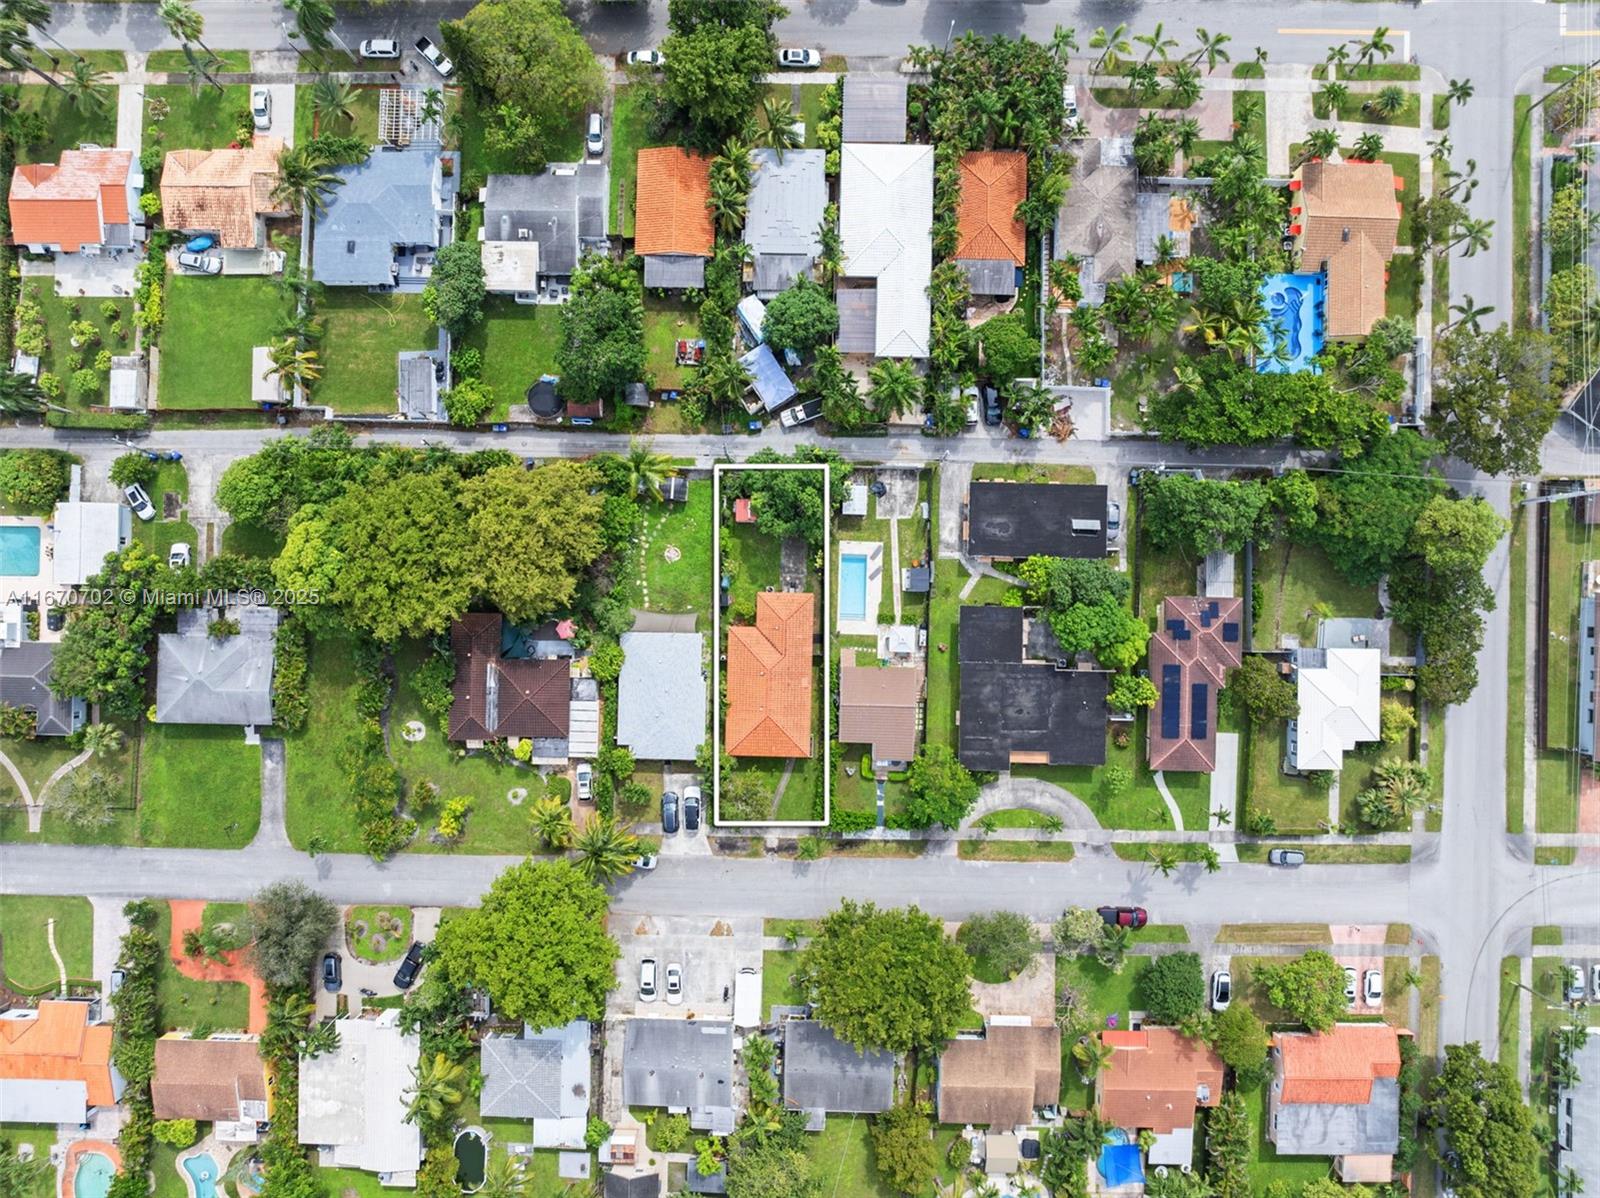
{"points": [[1338, 707], [354, 1100], [886, 227], [84, 534]]}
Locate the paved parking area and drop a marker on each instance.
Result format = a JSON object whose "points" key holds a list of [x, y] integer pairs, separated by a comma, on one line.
{"points": [[1362, 964], [358, 975], [710, 951]]}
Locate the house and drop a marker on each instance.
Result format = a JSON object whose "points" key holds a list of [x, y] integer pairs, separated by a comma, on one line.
{"points": [[1345, 217], [226, 193], [1578, 1116], [382, 226], [419, 372], [632, 1185], [783, 216], [1196, 643], [25, 668], [886, 233], [542, 1076], [498, 696], [1588, 673], [1095, 223], [874, 109], [1337, 1093], [87, 203], [1016, 706], [681, 1064], [353, 1104], [991, 244], [55, 1064], [672, 220], [879, 707], [1340, 693], [661, 699], [83, 534], [536, 228], [771, 387], [1156, 1079], [1013, 521], [823, 1075], [1002, 1078], [206, 679], [220, 1080], [769, 678], [1162, 213]]}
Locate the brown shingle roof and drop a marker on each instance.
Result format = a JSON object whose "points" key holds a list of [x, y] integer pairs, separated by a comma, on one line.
{"points": [[69, 203], [206, 1079], [993, 183], [670, 212], [878, 707], [222, 191], [497, 696], [1350, 219], [59, 1044], [1336, 1066], [1000, 1080], [1203, 654], [1154, 1081], [769, 679]]}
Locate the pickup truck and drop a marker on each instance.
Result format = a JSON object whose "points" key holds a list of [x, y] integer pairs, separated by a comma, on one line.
{"points": [[805, 413]]}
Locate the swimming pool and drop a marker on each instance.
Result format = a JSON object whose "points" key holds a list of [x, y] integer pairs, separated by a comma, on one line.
{"points": [[202, 1170], [852, 587], [472, 1157], [93, 1178], [19, 551], [1292, 334]]}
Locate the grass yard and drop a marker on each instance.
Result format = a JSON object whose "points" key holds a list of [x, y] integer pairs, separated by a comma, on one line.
{"points": [[630, 120], [842, 1157], [1138, 804], [209, 121], [314, 783], [1376, 72], [1359, 764], [36, 760], [1294, 804], [1556, 780], [189, 1003], [469, 125], [199, 787], [252, 540], [518, 343], [65, 128], [1027, 472], [1517, 671], [1569, 545], [1333, 854], [1274, 933], [161, 535], [686, 584], [1016, 850], [666, 321], [362, 121], [1299, 587], [362, 335], [1402, 293], [752, 558], [1107, 996], [25, 942], [1158, 573], [809, 112], [364, 946], [777, 987], [1407, 169], [227, 61], [1357, 107], [1510, 1012], [41, 1138], [212, 327], [1521, 207], [60, 354]]}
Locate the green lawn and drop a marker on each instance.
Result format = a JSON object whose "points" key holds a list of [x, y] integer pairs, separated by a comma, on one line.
{"points": [[362, 334], [518, 343], [315, 786], [1017, 817], [629, 134], [1334, 854], [1521, 206], [212, 327], [36, 760], [1407, 169], [252, 540], [1556, 784], [364, 946], [1568, 549], [686, 584], [188, 1003], [1299, 587], [1356, 107], [479, 159], [1362, 760], [752, 558], [1510, 1008], [161, 535], [1295, 804], [666, 321], [199, 787], [65, 128], [1016, 850], [1139, 804], [209, 121], [25, 945], [59, 314], [776, 986], [1106, 995], [228, 62], [841, 1155], [1377, 72], [1517, 670], [1402, 294], [810, 112], [362, 121], [41, 1137]]}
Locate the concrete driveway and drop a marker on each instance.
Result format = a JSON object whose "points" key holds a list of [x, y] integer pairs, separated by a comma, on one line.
{"points": [[282, 112], [711, 952], [361, 975]]}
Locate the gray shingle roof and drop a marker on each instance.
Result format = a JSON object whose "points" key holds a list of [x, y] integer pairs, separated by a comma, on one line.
{"points": [[675, 1062], [202, 680], [392, 199], [821, 1072], [661, 706], [644, 1185], [1340, 1128], [419, 385], [990, 276], [562, 208], [540, 1076], [784, 213], [25, 683], [674, 270], [874, 109]]}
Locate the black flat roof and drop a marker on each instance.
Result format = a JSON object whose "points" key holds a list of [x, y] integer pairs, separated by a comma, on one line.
{"points": [[1017, 520]]}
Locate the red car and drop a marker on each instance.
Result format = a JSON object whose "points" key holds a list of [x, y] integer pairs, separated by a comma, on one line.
{"points": [[1125, 917]]}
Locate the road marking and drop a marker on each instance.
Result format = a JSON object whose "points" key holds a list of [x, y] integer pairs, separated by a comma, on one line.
{"points": [[1334, 32]]}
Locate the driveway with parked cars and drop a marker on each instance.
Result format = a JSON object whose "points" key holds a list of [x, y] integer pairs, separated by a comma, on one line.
{"points": [[710, 952], [360, 975]]}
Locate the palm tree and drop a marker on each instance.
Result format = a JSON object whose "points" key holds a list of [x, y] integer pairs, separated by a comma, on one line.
{"points": [[1112, 951], [320, 1038], [20, 395], [34, 15], [1569, 1183], [1164, 859], [1261, 57], [1185, 84], [1337, 57], [606, 850], [1112, 47], [332, 98], [552, 823], [894, 388], [1211, 48], [1334, 95], [1475, 233], [87, 89], [1376, 46], [1405, 783], [1442, 147], [727, 202], [1459, 91], [196, 73], [16, 49], [187, 25], [1367, 148], [1154, 43], [647, 469], [287, 1017], [1145, 80], [293, 366], [1467, 314], [1321, 143], [1063, 42], [1210, 858], [100, 740], [432, 106], [313, 21], [1388, 101], [437, 1085], [778, 130], [303, 180], [504, 1178], [1093, 1056]]}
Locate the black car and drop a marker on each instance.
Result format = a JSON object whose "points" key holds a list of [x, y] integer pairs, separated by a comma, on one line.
{"points": [[409, 968], [991, 406], [332, 973], [669, 812], [691, 809]]}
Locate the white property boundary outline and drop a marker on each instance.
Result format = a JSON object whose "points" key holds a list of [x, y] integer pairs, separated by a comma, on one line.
{"points": [[716, 646]]}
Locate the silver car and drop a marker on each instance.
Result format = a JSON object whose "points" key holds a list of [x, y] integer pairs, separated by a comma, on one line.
{"points": [[261, 108], [200, 264], [139, 501], [435, 57]]}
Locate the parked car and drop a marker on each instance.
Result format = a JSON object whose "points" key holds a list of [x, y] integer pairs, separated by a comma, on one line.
{"points": [[674, 983], [1575, 987], [1113, 520], [585, 781], [595, 141], [647, 58], [178, 556], [1594, 982], [669, 813], [379, 47], [691, 808], [200, 264], [970, 394], [1372, 987], [645, 863], [1221, 990], [1349, 983], [1286, 857], [1125, 917], [410, 967], [991, 406], [801, 413], [118, 976], [332, 973], [139, 501], [647, 980], [261, 108], [435, 57], [795, 58]]}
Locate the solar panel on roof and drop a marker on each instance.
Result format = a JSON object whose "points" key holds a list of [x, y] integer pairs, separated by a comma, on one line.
{"points": [[1214, 610], [1230, 632], [1198, 693], [1171, 680], [1205, 617]]}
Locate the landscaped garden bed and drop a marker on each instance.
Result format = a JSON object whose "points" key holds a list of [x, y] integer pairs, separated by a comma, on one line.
{"points": [[377, 934]]}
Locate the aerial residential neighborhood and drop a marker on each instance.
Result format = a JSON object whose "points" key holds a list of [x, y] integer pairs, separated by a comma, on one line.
{"points": [[635, 598]]}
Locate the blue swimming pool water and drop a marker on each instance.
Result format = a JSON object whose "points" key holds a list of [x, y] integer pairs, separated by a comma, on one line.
{"points": [[1296, 316], [93, 1178], [852, 587], [19, 551], [202, 1170]]}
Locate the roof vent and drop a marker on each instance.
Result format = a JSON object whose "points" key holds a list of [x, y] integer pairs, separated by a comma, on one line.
{"points": [[1345, 236]]}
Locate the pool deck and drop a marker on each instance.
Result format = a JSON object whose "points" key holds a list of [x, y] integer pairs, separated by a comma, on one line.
{"points": [[1305, 344], [221, 1156], [69, 1163], [37, 585], [873, 552]]}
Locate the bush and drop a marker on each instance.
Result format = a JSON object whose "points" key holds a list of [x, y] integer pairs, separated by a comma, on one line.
{"points": [[34, 479], [671, 1133], [468, 402], [133, 468], [560, 787], [291, 698], [179, 1133], [1173, 988], [605, 661], [433, 682]]}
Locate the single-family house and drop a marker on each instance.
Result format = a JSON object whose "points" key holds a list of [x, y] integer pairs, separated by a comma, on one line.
{"points": [[886, 233], [1012, 521], [1019, 703], [383, 225], [1588, 671], [55, 1064], [880, 708], [1196, 643], [225, 192], [536, 228], [1156, 1079], [823, 1075], [672, 223], [874, 109], [1578, 1116], [770, 678], [353, 1100], [770, 386], [220, 1080], [991, 244], [783, 217], [25, 669], [83, 533], [87, 203], [1337, 1093], [684, 1065], [202, 678], [531, 695], [1001, 1078], [1345, 217], [661, 699], [542, 1076], [1340, 692], [1095, 223]]}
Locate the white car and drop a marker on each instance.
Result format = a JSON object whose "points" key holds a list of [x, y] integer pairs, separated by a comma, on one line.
{"points": [[435, 57], [653, 59], [595, 141], [647, 980], [380, 47], [585, 781], [1372, 988], [1221, 990], [645, 863], [261, 108], [201, 264], [674, 983], [1594, 981], [794, 58], [1349, 983], [178, 556], [139, 501]]}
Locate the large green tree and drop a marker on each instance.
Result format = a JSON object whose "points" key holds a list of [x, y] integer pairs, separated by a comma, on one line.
{"points": [[34, 480], [1010, 351], [1262, 692], [1368, 507], [106, 646], [903, 1149], [1004, 940], [536, 531], [942, 790], [1173, 987], [455, 291], [716, 55], [1493, 401], [1241, 1040], [1487, 1147], [1198, 516], [602, 331], [1309, 987], [800, 318], [291, 924], [537, 944]]}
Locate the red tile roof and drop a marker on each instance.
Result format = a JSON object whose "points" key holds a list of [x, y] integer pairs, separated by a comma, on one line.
{"points": [[670, 209], [993, 183], [1350, 222], [59, 1044], [1203, 656], [1155, 1079], [69, 203], [497, 696], [769, 678], [1336, 1066]]}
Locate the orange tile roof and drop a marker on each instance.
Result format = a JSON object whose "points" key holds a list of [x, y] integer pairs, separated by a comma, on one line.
{"points": [[222, 191], [59, 1044], [769, 678], [1154, 1079], [1337, 1066], [1350, 221], [670, 209], [993, 183], [69, 203]]}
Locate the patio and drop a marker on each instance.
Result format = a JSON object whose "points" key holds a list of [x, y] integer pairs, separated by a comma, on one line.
{"points": [[39, 584], [104, 275]]}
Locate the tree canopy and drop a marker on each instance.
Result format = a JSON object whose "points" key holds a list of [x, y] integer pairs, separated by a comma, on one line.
{"points": [[602, 331], [290, 924], [1010, 351], [1367, 509], [1309, 987], [1489, 1149], [1198, 516], [1264, 694], [538, 530], [942, 791], [1493, 401], [800, 318], [1173, 987], [455, 290], [716, 55]]}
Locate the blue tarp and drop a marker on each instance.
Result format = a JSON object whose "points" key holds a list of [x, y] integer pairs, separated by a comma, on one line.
{"points": [[1120, 1164], [771, 385]]}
